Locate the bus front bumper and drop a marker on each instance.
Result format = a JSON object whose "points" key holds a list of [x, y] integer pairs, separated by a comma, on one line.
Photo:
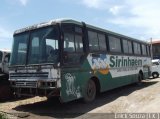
{"points": [[47, 88]]}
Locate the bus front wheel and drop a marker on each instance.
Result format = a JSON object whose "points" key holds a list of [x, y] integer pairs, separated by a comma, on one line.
{"points": [[90, 91]]}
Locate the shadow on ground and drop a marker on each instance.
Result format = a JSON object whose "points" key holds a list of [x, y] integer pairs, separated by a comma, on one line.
{"points": [[77, 108]]}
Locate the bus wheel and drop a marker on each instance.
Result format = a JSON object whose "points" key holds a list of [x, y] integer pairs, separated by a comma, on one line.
{"points": [[155, 75], [90, 91]]}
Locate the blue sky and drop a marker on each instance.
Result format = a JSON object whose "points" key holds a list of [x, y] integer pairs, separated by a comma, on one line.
{"points": [[135, 18]]}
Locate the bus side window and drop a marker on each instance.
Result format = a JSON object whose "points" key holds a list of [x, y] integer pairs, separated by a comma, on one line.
{"points": [[127, 46], [137, 48], [114, 44], [97, 41], [93, 41], [144, 50], [73, 45]]}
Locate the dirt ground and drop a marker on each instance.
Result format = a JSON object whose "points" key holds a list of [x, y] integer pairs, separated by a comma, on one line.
{"points": [[127, 99]]}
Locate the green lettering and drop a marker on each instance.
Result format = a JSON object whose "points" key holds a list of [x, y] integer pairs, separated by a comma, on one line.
{"points": [[112, 64]]}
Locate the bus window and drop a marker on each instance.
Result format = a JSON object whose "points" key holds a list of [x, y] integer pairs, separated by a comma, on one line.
{"points": [[78, 43], [114, 44], [102, 42], [43, 46], [137, 49], [144, 50], [73, 45], [127, 46], [69, 42], [93, 41], [97, 41]]}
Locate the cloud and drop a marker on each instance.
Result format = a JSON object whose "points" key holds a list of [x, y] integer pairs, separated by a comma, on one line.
{"points": [[144, 16], [23, 2], [115, 10], [139, 16]]}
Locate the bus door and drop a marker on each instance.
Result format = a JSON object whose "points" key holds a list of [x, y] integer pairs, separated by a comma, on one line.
{"points": [[73, 55]]}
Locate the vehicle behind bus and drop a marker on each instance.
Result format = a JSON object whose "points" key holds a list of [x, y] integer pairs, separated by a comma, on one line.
{"points": [[4, 62], [5, 92], [73, 60]]}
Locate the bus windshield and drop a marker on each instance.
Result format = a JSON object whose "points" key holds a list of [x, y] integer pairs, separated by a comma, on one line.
{"points": [[40, 46]]}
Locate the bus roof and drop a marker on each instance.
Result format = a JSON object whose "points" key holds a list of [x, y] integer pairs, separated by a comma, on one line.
{"points": [[55, 21], [44, 24]]}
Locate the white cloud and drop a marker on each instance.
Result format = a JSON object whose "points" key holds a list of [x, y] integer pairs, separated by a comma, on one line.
{"points": [[115, 10], [141, 16], [23, 2]]}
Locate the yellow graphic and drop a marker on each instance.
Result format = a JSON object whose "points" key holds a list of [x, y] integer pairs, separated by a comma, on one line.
{"points": [[102, 71]]}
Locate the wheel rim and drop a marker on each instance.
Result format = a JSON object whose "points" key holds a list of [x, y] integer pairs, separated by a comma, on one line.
{"points": [[155, 75]]}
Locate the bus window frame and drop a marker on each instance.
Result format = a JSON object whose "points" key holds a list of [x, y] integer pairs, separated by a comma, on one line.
{"points": [[72, 53], [98, 32], [140, 48], [145, 48], [123, 38], [112, 52]]}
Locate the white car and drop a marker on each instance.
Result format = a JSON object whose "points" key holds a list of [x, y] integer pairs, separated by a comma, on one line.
{"points": [[155, 68]]}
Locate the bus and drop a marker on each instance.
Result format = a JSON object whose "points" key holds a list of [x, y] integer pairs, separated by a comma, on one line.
{"points": [[156, 49], [69, 59]]}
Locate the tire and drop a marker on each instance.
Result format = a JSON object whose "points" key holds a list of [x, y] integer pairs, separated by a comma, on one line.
{"points": [[90, 92], [155, 74]]}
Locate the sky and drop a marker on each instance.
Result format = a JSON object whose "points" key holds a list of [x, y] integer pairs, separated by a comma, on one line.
{"points": [[139, 19]]}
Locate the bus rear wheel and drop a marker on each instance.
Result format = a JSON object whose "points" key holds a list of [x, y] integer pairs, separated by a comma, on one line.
{"points": [[90, 91], [155, 75]]}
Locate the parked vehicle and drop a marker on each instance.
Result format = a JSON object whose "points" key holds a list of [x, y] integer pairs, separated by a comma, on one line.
{"points": [[72, 60], [4, 62], [155, 68], [5, 91]]}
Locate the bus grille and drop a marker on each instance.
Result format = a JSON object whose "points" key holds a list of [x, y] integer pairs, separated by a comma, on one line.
{"points": [[22, 84], [28, 75]]}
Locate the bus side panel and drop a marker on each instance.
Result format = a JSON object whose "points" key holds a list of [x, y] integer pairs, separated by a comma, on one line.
{"points": [[114, 71], [108, 83], [73, 83]]}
